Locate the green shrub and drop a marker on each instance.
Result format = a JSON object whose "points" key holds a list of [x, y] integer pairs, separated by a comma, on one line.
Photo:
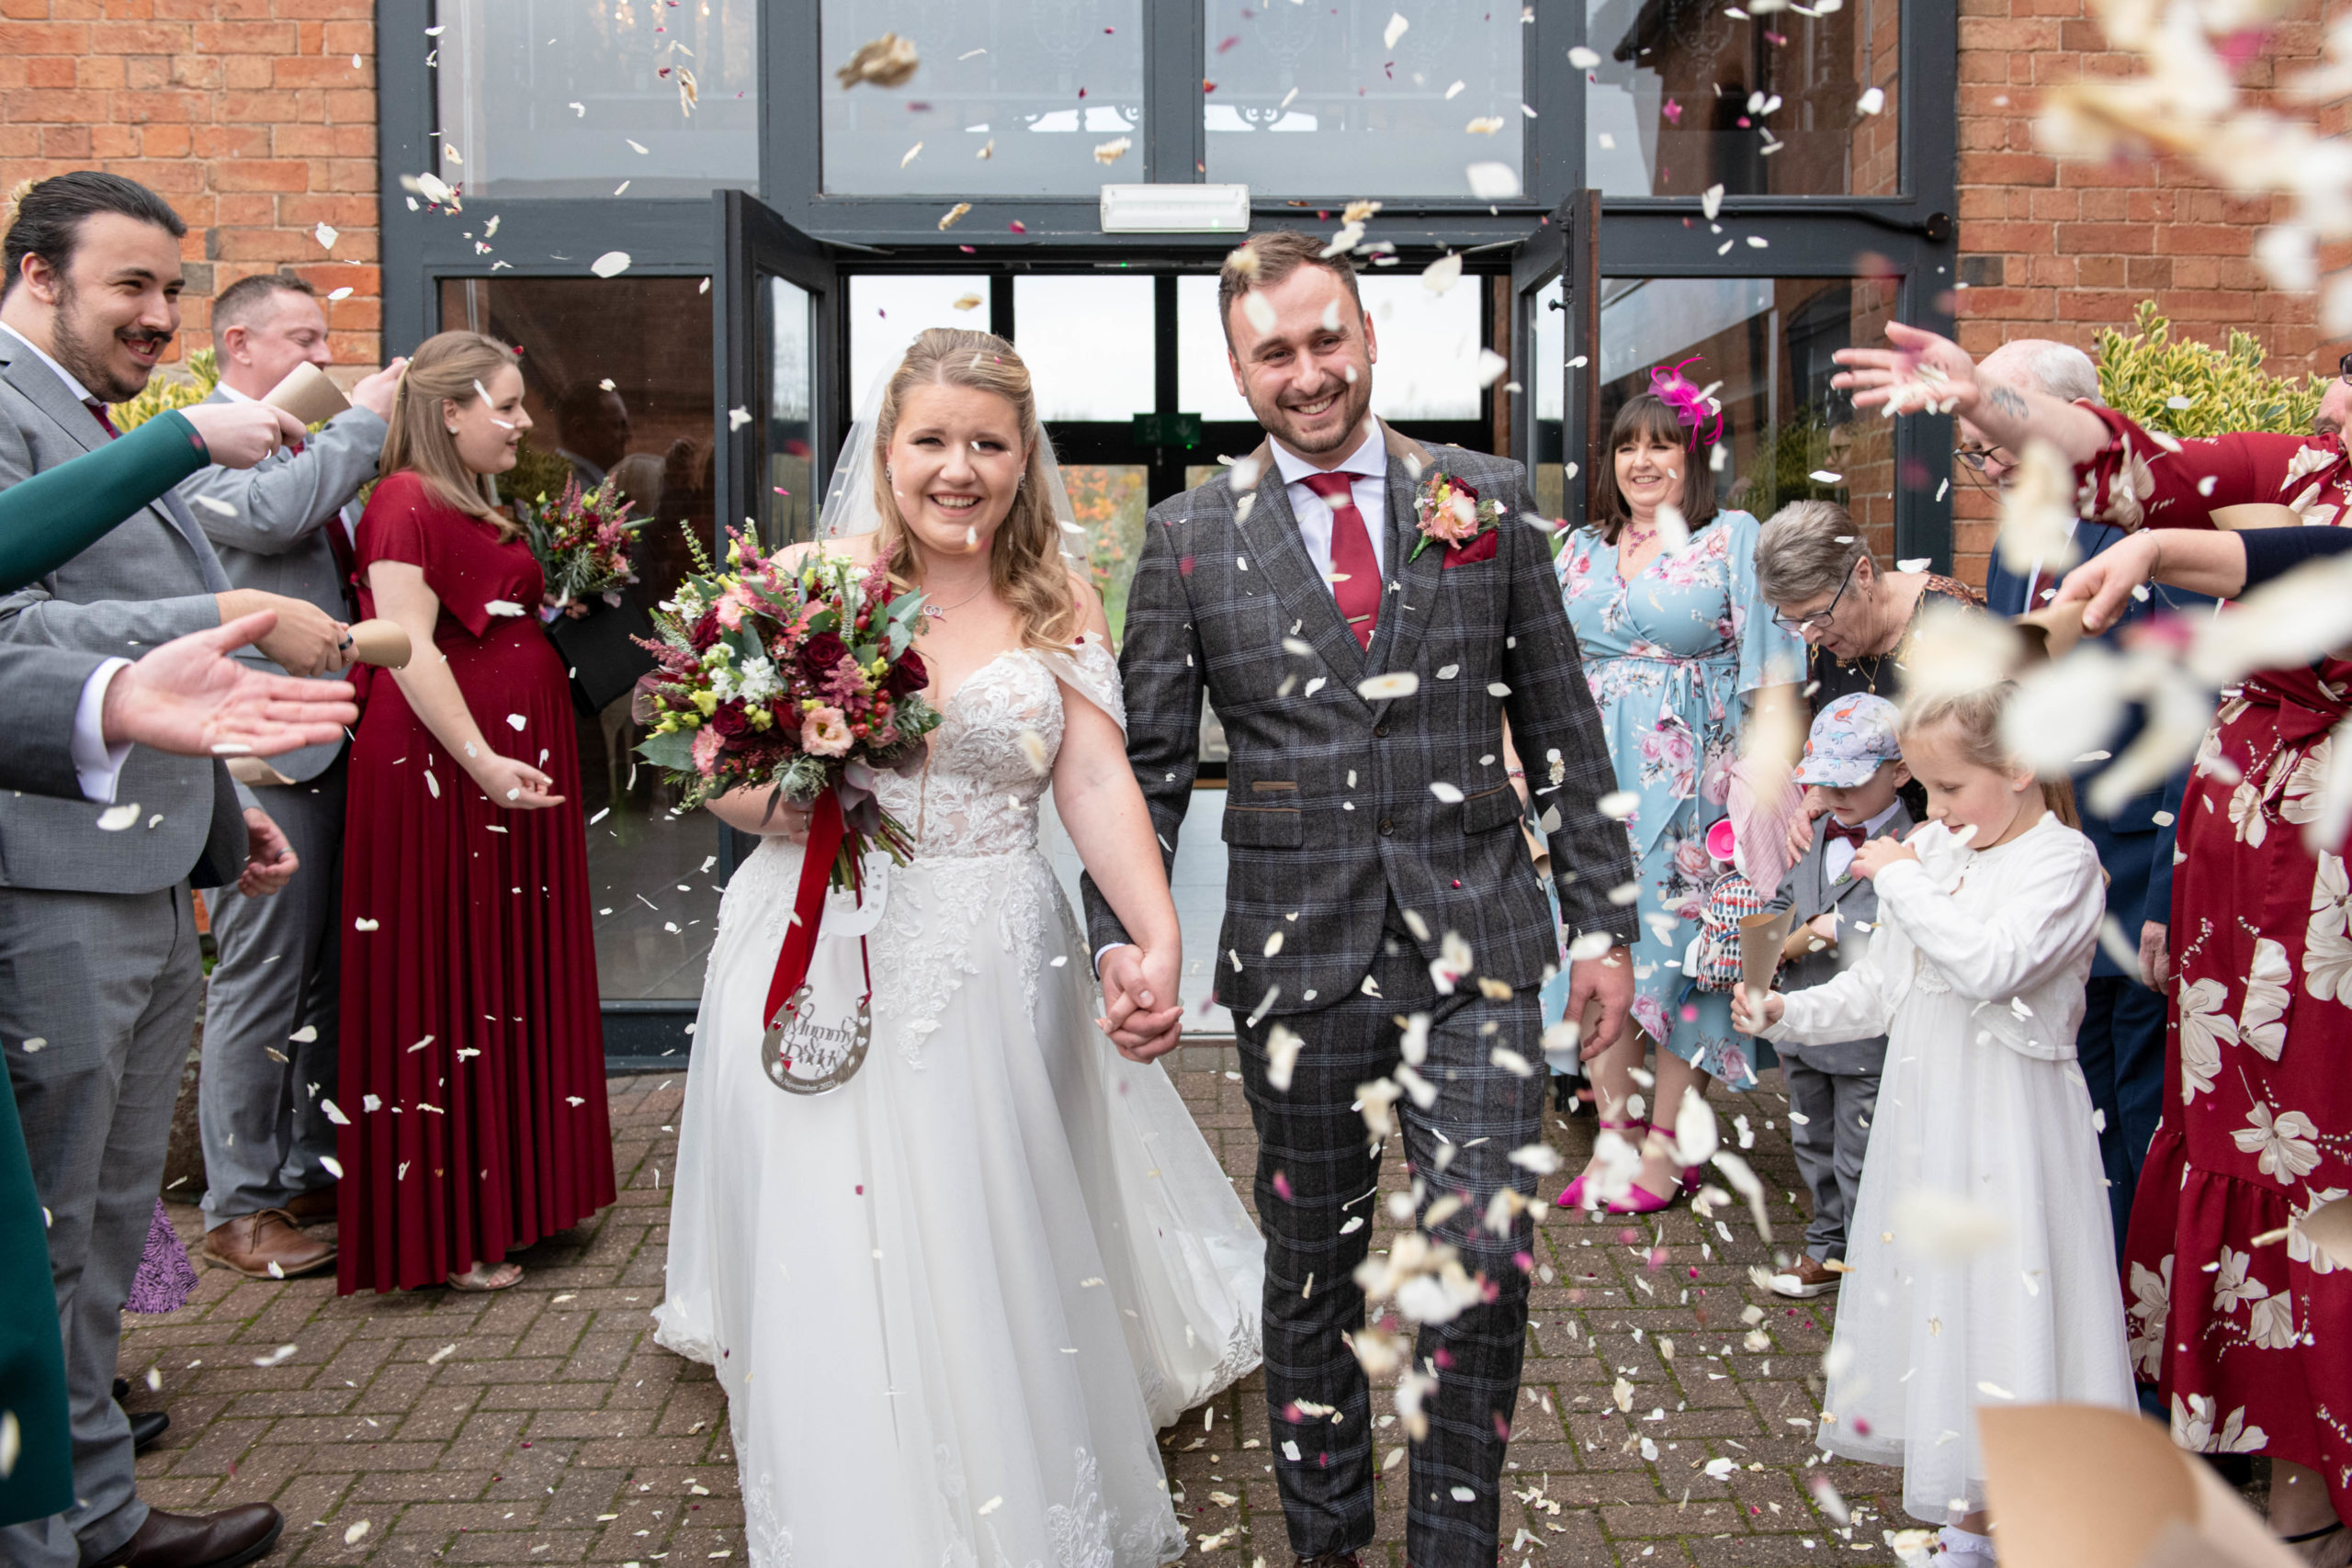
{"points": [[173, 390], [2185, 388]]}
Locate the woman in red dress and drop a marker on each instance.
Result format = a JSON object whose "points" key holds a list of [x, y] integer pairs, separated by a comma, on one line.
{"points": [[472, 1053], [2244, 1325]]}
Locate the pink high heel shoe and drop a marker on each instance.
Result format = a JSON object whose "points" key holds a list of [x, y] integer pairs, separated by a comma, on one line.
{"points": [[1639, 1199], [1572, 1196], [1693, 1177]]}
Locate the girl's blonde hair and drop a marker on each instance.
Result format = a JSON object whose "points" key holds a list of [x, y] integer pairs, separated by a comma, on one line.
{"points": [[1026, 566], [453, 367], [1975, 718]]}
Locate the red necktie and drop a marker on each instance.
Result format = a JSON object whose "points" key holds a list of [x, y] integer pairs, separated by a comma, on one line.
{"points": [[98, 411], [1358, 593], [1853, 835]]}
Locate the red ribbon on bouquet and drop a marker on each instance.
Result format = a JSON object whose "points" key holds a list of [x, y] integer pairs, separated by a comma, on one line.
{"points": [[826, 829]]}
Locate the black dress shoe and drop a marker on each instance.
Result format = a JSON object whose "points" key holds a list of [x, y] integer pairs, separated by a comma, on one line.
{"points": [[146, 1426], [121, 1389], [226, 1539]]}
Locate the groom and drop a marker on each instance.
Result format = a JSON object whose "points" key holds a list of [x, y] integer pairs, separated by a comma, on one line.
{"points": [[1367, 824]]}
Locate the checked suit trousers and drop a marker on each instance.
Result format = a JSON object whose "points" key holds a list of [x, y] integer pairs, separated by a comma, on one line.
{"points": [[1317, 1173]]}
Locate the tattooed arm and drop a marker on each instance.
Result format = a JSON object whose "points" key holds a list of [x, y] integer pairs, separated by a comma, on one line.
{"points": [[1922, 369]]}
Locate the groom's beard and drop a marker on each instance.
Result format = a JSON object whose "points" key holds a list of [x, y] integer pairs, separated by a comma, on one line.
{"points": [[1338, 428]]}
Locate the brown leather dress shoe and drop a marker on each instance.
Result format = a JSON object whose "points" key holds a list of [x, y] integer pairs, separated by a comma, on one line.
{"points": [[1810, 1278], [313, 1207], [225, 1539], [251, 1244]]}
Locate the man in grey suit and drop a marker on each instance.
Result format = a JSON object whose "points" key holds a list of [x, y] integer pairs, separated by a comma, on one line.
{"points": [[98, 973], [1365, 672], [1853, 758], [285, 525]]}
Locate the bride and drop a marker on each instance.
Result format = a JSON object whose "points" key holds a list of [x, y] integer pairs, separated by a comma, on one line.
{"points": [[951, 1300]]}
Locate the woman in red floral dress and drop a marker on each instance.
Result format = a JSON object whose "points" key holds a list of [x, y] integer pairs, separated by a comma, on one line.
{"points": [[2244, 1328], [472, 1053]]}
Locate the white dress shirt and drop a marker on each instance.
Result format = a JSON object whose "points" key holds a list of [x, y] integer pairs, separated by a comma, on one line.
{"points": [[1838, 855], [96, 765], [1367, 471]]}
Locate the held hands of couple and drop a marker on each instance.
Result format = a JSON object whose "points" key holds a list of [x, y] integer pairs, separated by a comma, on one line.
{"points": [[1606, 982], [1143, 1004]]}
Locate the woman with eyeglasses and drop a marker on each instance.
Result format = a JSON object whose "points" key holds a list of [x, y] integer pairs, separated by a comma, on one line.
{"points": [[1681, 651], [2240, 1319], [1824, 584]]}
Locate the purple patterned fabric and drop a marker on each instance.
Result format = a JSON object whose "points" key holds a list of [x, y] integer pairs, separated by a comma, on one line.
{"points": [[165, 1276]]}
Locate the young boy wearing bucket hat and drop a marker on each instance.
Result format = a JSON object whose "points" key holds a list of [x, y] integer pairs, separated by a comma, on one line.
{"points": [[1852, 757]]}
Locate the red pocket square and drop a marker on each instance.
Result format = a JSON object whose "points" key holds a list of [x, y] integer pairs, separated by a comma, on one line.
{"points": [[1477, 549]]}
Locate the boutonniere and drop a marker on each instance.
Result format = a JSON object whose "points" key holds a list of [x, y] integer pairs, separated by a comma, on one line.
{"points": [[1450, 512]]}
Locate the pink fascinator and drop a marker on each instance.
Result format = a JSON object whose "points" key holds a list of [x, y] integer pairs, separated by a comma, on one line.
{"points": [[1692, 407]]}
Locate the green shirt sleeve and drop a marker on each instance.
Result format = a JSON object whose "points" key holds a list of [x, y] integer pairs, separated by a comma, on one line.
{"points": [[56, 514]]}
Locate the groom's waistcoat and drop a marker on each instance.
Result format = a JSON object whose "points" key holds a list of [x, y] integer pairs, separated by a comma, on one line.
{"points": [[1338, 802]]}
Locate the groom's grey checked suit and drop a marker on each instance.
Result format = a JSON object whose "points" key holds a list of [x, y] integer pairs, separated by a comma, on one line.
{"points": [[260, 1089], [1338, 842], [98, 971]]}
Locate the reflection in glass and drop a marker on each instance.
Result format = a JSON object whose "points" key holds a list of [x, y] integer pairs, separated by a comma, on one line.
{"points": [[1429, 349], [887, 310], [618, 381], [1688, 95], [1089, 345], [1011, 100], [1108, 501], [1308, 100], [577, 98], [1769, 342], [788, 485], [1547, 379]]}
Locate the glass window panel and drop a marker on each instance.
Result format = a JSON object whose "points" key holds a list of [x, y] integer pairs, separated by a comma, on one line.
{"points": [[1204, 374], [1307, 100], [1429, 346], [887, 310], [1108, 501], [1668, 110], [789, 493], [1009, 100], [650, 337], [1769, 342], [546, 98], [1429, 349], [1091, 345]]}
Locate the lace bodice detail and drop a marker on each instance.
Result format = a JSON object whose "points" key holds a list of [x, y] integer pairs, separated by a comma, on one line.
{"points": [[993, 756]]}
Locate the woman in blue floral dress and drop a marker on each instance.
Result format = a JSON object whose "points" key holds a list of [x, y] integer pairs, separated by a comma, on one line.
{"points": [[1680, 650]]}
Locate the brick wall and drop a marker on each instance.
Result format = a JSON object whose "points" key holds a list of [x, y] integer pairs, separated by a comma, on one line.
{"points": [[256, 118], [2061, 250]]}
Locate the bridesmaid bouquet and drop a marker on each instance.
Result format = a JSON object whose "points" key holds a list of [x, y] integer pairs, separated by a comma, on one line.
{"points": [[582, 543], [805, 679]]}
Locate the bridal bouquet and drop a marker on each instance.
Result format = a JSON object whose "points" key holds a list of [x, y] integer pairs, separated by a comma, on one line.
{"points": [[582, 543], [804, 678]]}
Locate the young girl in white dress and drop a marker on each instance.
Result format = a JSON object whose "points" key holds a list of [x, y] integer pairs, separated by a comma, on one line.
{"points": [[1981, 1261]]}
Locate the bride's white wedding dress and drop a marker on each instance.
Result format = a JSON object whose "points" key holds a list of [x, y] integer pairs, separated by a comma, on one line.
{"points": [[951, 1301]]}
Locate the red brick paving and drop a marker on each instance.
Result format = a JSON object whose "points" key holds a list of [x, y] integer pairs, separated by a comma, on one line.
{"points": [[542, 1424]]}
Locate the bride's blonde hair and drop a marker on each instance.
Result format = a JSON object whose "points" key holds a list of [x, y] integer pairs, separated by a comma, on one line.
{"points": [[1026, 568]]}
